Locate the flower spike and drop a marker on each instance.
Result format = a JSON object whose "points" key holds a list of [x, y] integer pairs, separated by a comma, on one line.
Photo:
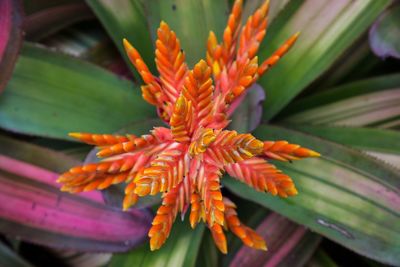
{"points": [[278, 54], [246, 234], [186, 161], [170, 61]]}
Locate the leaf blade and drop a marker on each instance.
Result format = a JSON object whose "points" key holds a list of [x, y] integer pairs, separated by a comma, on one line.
{"points": [[52, 94], [328, 28], [180, 249], [191, 20], [11, 37], [345, 196], [33, 208]]}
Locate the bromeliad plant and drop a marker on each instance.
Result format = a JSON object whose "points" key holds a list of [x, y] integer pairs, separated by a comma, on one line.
{"points": [[185, 162], [67, 77]]}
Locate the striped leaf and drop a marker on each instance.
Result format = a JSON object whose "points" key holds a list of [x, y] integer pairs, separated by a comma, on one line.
{"points": [[191, 20], [381, 143], [288, 245], [52, 94], [372, 102], [34, 209], [11, 36], [345, 196], [180, 250], [327, 28], [125, 19]]}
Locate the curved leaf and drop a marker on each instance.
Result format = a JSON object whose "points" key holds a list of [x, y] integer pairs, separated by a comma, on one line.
{"points": [[191, 20], [180, 250], [345, 196], [10, 38], [321, 259], [52, 94], [125, 19], [9, 258], [327, 28], [247, 115], [34, 209], [288, 245], [372, 102], [45, 22], [381, 143], [364, 110], [384, 36], [343, 92]]}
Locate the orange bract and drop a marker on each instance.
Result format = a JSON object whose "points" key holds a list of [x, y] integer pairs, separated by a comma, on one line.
{"points": [[186, 161]]}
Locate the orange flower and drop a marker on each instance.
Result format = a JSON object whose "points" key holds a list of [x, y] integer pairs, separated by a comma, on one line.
{"points": [[186, 161]]}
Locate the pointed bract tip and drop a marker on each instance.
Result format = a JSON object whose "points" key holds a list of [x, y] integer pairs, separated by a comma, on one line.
{"points": [[224, 249], [314, 154], [127, 44], [75, 135], [163, 24], [153, 246], [296, 35], [64, 189], [100, 154], [263, 247]]}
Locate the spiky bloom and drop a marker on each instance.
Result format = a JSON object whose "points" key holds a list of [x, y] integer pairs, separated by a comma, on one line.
{"points": [[185, 162]]}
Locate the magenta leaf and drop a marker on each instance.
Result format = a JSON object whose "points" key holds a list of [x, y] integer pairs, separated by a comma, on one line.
{"points": [[33, 208], [10, 37]]}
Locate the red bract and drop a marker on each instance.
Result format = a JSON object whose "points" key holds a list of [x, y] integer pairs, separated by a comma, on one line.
{"points": [[186, 161]]}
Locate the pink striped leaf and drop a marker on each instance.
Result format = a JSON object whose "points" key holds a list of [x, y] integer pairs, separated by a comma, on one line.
{"points": [[10, 37], [32, 207], [288, 244]]}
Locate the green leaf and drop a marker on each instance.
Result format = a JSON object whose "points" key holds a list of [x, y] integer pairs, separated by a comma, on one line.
{"points": [[82, 259], [275, 7], [321, 259], [192, 20], [125, 19], [52, 94], [372, 102], [208, 252], [9, 258], [88, 42], [381, 143], [384, 36], [343, 92], [345, 196], [180, 249], [327, 28]]}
